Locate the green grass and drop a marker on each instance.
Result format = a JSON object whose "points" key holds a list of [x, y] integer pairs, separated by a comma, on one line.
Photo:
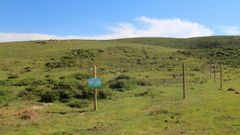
{"points": [[156, 109], [206, 110]]}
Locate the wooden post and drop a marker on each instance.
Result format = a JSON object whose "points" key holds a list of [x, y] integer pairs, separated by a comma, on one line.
{"points": [[215, 72], [221, 76], [184, 81], [210, 70], [95, 90]]}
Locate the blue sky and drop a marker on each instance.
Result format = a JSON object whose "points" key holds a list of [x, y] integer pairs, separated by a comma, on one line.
{"points": [[104, 19]]}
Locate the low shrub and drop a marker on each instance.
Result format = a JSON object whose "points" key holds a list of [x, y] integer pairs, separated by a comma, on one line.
{"points": [[144, 83], [62, 77], [27, 69], [122, 82], [49, 96], [103, 94], [34, 90], [31, 93], [78, 103], [24, 82], [66, 95], [62, 85], [86, 94], [119, 85], [80, 76]]}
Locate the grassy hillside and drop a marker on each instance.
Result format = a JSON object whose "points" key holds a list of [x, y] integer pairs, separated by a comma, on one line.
{"points": [[43, 87], [186, 43], [220, 49]]}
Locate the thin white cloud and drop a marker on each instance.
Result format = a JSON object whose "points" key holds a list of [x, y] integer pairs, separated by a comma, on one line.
{"points": [[230, 30], [6, 37], [150, 28]]}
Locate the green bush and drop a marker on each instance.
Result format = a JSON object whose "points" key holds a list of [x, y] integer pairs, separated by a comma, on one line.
{"points": [[62, 85], [27, 69], [119, 85], [80, 76], [30, 82], [66, 94], [49, 96], [87, 94], [31, 92], [78, 103], [62, 77], [103, 94], [144, 83], [34, 90], [122, 82], [24, 82], [65, 91]]}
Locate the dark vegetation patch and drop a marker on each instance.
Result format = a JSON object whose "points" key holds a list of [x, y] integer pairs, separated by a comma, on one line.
{"points": [[49, 96], [50, 90], [80, 76], [125, 82], [144, 83], [231, 89], [122, 83], [78, 103], [27, 69], [31, 82], [119, 85], [235, 91]]}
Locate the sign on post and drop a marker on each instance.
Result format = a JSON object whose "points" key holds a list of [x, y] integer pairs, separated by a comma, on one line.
{"points": [[95, 83]]}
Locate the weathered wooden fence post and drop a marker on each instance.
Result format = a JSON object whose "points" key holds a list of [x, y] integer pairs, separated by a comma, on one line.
{"points": [[95, 90], [221, 76], [215, 72], [183, 79], [210, 70]]}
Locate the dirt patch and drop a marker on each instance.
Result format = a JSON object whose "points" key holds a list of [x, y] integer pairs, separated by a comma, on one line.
{"points": [[30, 112], [26, 114], [36, 107]]}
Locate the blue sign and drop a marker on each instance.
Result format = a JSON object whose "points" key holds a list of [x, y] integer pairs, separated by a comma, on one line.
{"points": [[94, 82]]}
